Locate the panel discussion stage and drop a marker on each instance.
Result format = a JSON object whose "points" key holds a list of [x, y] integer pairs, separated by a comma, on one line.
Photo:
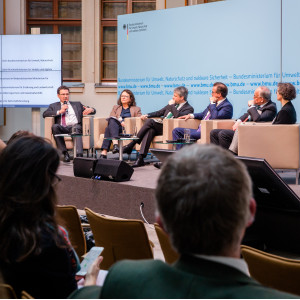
{"points": [[118, 199]]}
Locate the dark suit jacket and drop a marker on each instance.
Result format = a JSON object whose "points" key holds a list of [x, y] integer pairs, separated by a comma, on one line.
{"points": [[190, 277], [269, 111], [287, 115], [222, 111], [184, 110], [54, 107], [135, 111]]}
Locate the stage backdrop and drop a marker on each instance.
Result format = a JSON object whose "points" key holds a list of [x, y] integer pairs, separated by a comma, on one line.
{"points": [[243, 43]]}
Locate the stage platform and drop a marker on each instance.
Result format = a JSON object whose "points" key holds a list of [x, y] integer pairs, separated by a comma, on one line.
{"points": [[121, 199]]}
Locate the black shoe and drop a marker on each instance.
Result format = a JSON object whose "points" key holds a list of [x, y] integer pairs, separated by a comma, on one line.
{"points": [[158, 165], [66, 157], [127, 149], [103, 156], [139, 163], [115, 149]]}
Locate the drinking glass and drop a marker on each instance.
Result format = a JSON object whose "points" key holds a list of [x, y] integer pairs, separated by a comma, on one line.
{"points": [[187, 135]]}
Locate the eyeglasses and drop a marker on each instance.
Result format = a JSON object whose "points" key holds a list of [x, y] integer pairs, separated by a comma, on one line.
{"points": [[56, 179], [124, 96]]}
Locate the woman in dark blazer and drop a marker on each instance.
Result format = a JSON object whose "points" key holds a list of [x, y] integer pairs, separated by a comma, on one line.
{"points": [[125, 108], [285, 93]]}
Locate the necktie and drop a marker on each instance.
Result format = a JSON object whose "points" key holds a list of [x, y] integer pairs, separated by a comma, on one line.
{"points": [[206, 118], [170, 115], [63, 120]]}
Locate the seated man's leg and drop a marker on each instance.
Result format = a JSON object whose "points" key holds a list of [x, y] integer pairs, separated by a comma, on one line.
{"points": [[225, 138], [214, 136], [153, 129], [178, 133], [60, 140], [141, 134], [235, 141]]}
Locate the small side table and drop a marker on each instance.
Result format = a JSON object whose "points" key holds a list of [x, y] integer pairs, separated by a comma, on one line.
{"points": [[74, 140], [120, 143], [174, 143]]}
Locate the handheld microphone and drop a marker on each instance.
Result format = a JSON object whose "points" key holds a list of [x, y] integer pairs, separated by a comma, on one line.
{"points": [[65, 102]]}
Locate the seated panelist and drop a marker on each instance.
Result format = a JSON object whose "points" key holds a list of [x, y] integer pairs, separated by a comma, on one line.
{"points": [[68, 116], [285, 93], [177, 107], [218, 108], [125, 108], [261, 109]]}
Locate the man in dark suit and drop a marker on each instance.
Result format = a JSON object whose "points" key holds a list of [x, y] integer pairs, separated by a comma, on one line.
{"points": [[204, 201], [177, 107], [261, 109], [218, 108], [68, 119]]}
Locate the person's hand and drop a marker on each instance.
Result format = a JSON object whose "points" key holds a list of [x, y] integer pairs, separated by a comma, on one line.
{"points": [[171, 102], [236, 124], [87, 110], [92, 273], [123, 124], [251, 102], [213, 100], [63, 109], [186, 117], [144, 117]]}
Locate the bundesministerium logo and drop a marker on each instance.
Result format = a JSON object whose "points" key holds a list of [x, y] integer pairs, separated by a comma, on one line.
{"points": [[135, 27]]}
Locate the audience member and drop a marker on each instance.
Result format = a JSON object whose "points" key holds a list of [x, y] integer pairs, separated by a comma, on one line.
{"points": [[218, 108], [177, 107], [18, 134], [68, 119], [286, 92], [35, 253], [261, 109], [205, 204], [125, 108], [2, 145]]}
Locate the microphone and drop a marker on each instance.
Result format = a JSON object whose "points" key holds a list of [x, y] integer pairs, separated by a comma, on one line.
{"points": [[65, 102]]}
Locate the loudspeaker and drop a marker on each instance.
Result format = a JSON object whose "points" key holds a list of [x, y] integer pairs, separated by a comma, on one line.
{"points": [[115, 170], [84, 167]]}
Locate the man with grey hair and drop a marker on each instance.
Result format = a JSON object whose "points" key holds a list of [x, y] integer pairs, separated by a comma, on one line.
{"points": [[204, 201], [261, 109], [177, 107]]}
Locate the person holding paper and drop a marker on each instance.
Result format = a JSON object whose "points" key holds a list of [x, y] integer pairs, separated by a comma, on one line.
{"points": [[68, 116], [218, 108], [125, 108]]}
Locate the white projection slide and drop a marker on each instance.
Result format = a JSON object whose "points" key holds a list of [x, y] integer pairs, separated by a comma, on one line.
{"points": [[229, 41], [30, 69]]}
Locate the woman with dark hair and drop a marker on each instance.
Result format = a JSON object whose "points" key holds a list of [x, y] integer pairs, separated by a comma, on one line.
{"points": [[35, 253], [285, 93], [125, 108]]}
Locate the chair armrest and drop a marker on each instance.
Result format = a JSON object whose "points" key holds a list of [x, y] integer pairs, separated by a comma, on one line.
{"points": [[130, 124], [190, 123], [49, 121], [223, 124], [88, 128], [278, 144], [99, 128]]}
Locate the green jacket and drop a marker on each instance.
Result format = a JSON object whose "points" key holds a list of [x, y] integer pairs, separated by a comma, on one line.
{"points": [[190, 277]]}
